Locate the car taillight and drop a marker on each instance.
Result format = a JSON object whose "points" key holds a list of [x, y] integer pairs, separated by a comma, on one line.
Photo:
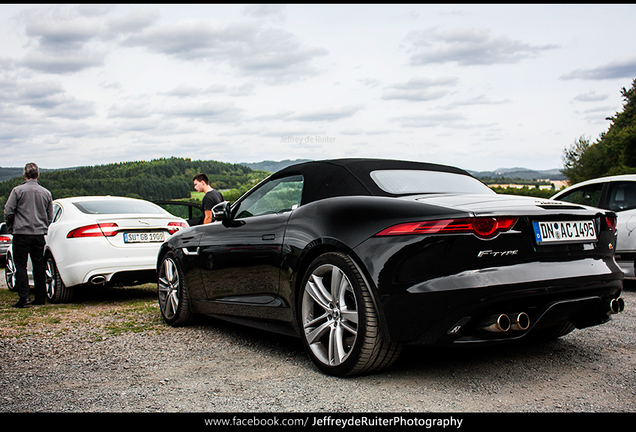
{"points": [[481, 227], [97, 230], [173, 227], [611, 222], [5, 239]]}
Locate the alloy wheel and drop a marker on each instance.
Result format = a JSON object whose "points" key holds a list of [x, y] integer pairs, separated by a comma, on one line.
{"points": [[168, 288], [9, 273], [50, 278], [330, 315]]}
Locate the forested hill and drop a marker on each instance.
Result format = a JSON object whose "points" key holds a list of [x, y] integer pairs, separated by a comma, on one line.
{"points": [[159, 179]]}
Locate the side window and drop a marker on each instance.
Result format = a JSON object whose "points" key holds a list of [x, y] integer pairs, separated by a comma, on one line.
{"points": [[275, 196], [589, 195], [622, 196], [57, 212]]}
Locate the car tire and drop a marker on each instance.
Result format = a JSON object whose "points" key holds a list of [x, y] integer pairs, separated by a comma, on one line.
{"points": [[338, 321], [173, 294], [9, 273], [56, 291]]}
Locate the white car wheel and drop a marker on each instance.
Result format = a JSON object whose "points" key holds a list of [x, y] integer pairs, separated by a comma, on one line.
{"points": [[56, 291], [9, 273]]}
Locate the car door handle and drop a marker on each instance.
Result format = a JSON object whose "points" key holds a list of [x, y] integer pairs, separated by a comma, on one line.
{"points": [[268, 237]]}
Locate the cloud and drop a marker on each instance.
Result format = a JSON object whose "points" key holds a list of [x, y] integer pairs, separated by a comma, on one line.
{"points": [[59, 36], [208, 112], [130, 110], [185, 90], [134, 22], [47, 97], [91, 83], [419, 89], [597, 115], [469, 46], [433, 120], [319, 115], [621, 68], [60, 27], [481, 100], [73, 109], [260, 52], [62, 63], [590, 96], [260, 11], [414, 96], [17, 125], [153, 126], [332, 114], [369, 82], [211, 112]]}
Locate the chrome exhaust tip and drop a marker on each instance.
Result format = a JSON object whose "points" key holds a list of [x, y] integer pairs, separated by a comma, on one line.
{"points": [[497, 323], [519, 321], [617, 305], [97, 280]]}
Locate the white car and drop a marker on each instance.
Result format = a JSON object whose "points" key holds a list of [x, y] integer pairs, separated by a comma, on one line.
{"points": [[101, 240], [5, 241], [616, 193]]}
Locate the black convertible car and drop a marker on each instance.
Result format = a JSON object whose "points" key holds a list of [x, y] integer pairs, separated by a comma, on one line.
{"points": [[361, 256]]}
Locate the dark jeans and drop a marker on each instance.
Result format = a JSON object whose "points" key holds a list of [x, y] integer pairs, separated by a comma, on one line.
{"points": [[23, 247]]}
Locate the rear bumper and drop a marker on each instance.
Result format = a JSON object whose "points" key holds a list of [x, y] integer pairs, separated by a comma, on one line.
{"points": [[440, 290], [105, 271], [99, 264], [469, 325], [456, 308]]}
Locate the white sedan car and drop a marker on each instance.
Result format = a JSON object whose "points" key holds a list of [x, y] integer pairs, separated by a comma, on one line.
{"points": [[616, 193], [5, 241], [101, 240]]}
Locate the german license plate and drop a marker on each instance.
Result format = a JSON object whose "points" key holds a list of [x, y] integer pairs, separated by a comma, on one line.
{"points": [[564, 232], [144, 237]]}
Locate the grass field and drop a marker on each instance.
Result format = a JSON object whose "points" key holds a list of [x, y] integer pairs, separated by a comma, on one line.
{"points": [[99, 312]]}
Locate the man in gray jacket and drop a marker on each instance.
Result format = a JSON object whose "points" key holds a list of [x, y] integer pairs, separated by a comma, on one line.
{"points": [[28, 213]]}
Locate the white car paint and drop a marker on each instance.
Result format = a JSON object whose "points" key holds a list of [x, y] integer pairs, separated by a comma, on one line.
{"points": [[624, 205], [82, 259]]}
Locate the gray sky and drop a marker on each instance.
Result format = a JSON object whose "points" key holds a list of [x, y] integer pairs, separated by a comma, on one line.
{"points": [[475, 86]]}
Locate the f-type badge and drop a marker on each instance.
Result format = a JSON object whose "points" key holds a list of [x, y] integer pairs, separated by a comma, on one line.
{"points": [[495, 254]]}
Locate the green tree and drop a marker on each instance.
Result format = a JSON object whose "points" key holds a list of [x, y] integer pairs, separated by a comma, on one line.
{"points": [[573, 160], [613, 153], [160, 179]]}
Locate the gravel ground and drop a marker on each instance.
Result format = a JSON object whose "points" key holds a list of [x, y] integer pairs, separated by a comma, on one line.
{"points": [[218, 367]]}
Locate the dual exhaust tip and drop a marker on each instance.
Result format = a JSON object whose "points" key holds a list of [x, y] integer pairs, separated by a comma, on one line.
{"points": [[504, 322], [617, 305], [521, 321]]}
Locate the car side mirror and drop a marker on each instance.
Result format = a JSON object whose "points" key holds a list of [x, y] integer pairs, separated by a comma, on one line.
{"points": [[221, 211]]}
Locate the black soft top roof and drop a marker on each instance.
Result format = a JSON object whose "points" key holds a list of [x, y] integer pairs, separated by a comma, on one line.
{"points": [[348, 177]]}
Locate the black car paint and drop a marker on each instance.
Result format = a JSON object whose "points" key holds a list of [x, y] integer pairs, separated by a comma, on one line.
{"points": [[251, 271]]}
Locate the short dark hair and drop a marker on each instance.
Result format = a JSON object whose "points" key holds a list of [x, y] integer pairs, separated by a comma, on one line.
{"points": [[201, 178], [31, 171]]}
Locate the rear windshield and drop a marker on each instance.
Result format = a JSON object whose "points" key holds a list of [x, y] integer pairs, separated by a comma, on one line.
{"points": [[406, 182], [117, 207]]}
